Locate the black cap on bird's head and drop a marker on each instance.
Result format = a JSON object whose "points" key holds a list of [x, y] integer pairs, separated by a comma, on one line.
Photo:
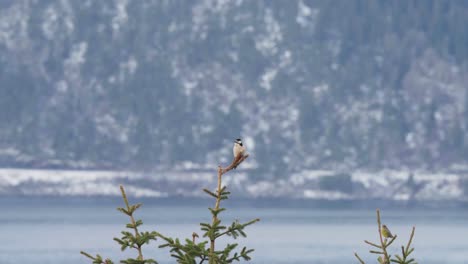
{"points": [[238, 140]]}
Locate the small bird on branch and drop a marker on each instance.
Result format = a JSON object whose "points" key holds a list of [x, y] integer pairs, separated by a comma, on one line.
{"points": [[239, 151], [240, 154], [386, 232]]}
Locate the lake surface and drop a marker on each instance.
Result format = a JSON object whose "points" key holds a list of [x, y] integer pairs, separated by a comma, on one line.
{"points": [[54, 230]]}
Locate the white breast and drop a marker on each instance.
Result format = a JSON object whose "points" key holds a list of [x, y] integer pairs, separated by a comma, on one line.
{"points": [[238, 149]]}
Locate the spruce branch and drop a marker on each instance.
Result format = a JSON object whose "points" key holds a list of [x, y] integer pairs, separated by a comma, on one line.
{"points": [[382, 241], [405, 252], [188, 252], [236, 229], [213, 231], [135, 239], [191, 252], [359, 258], [386, 239], [235, 162], [372, 244], [97, 259], [194, 235]]}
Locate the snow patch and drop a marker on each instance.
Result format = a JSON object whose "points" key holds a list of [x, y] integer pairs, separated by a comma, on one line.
{"points": [[121, 16], [306, 16], [267, 43], [267, 78]]}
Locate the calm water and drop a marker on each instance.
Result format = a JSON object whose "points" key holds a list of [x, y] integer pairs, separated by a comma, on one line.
{"points": [[54, 230]]}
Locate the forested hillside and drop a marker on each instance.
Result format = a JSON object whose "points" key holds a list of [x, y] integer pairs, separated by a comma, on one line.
{"points": [[307, 84]]}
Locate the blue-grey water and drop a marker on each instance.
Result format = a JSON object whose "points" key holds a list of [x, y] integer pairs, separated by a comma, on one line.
{"points": [[54, 230]]}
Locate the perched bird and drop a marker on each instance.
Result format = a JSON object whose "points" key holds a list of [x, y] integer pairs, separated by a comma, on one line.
{"points": [[238, 148], [386, 232]]}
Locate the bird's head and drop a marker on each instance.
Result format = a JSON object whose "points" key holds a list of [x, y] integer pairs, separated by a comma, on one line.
{"points": [[238, 141]]}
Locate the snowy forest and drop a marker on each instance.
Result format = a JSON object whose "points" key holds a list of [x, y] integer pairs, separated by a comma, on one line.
{"points": [[314, 85]]}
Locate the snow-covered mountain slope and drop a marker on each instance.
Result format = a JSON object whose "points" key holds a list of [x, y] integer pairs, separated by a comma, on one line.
{"points": [[139, 85], [329, 185]]}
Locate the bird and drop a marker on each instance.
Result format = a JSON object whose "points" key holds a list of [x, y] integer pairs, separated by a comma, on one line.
{"points": [[386, 232], [238, 149]]}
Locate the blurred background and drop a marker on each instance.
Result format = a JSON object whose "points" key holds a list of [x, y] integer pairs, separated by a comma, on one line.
{"points": [[352, 104]]}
